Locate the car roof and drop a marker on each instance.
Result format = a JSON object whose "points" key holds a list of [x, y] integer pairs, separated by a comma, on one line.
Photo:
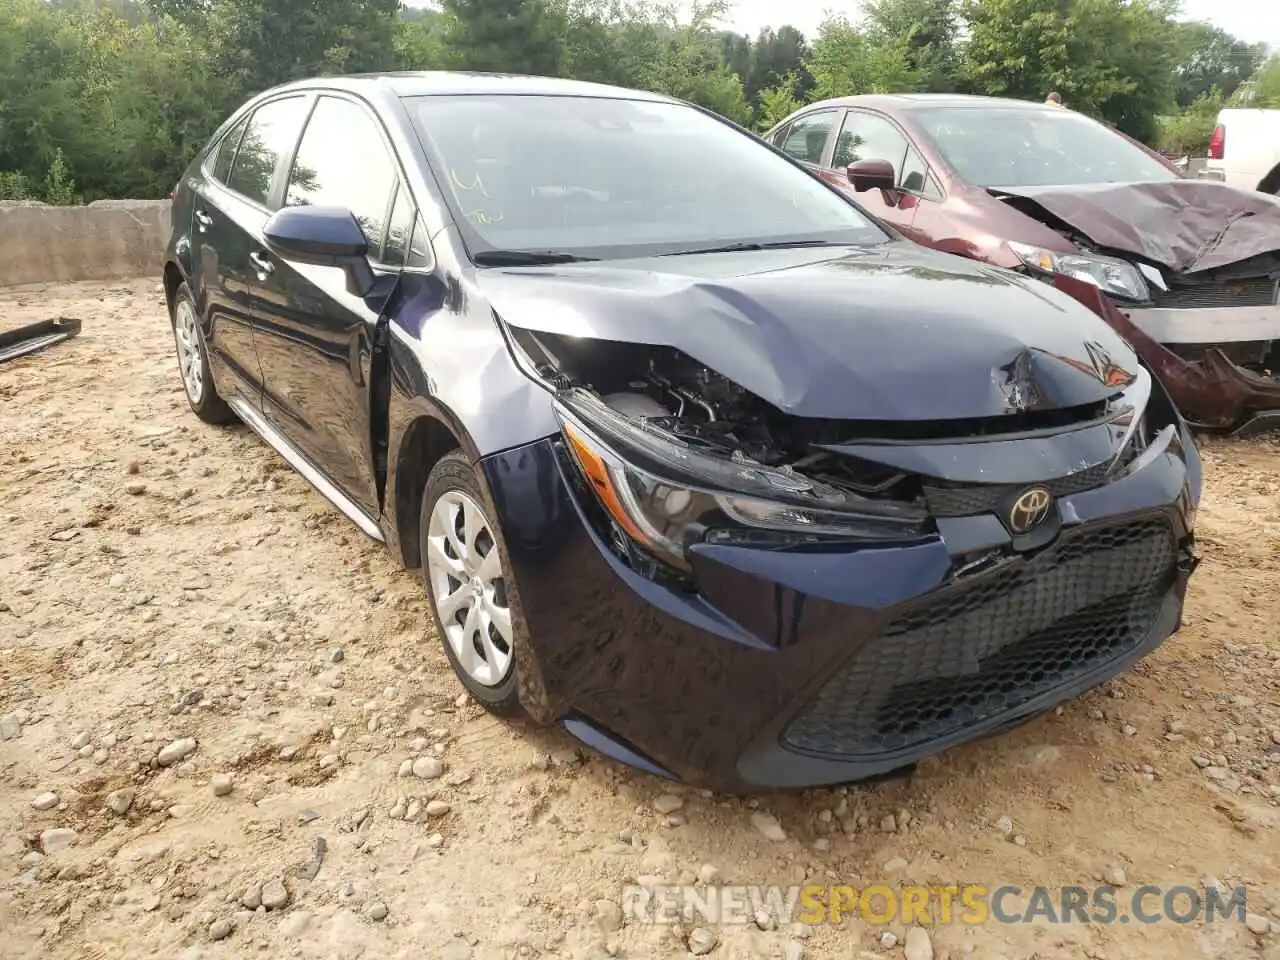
{"points": [[427, 83], [916, 101]]}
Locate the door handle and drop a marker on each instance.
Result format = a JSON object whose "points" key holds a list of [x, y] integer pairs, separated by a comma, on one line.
{"points": [[265, 266], [204, 220]]}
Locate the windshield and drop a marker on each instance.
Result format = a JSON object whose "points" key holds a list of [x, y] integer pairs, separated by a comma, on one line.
{"points": [[608, 178], [1020, 147]]}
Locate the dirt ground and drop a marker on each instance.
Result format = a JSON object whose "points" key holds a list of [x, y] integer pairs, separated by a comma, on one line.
{"points": [[163, 580]]}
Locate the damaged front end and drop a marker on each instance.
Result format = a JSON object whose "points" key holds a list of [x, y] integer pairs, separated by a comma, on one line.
{"points": [[1212, 392], [678, 455], [1188, 273], [783, 598]]}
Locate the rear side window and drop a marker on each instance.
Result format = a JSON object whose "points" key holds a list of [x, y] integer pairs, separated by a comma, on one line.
{"points": [[225, 152], [343, 161], [271, 134], [807, 136]]}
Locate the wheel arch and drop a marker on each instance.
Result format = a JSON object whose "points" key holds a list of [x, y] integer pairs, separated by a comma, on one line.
{"points": [[428, 435], [174, 277]]}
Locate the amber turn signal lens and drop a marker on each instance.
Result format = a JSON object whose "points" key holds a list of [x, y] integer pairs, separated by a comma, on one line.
{"points": [[597, 473]]}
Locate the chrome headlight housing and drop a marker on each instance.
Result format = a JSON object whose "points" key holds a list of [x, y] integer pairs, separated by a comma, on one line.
{"points": [[666, 495], [1111, 275]]}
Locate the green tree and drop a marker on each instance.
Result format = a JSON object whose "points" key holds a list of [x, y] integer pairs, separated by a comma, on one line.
{"points": [[1209, 57], [420, 41], [777, 103], [927, 31], [1188, 132], [89, 98], [1112, 59], [845, 62], [504, 36], [776, 55], [689, 64], [261, 43], [653, 47], [1266, 85]]}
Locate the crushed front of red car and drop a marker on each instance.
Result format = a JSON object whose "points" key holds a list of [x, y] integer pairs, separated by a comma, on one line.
{"points": [[1189, 273]]}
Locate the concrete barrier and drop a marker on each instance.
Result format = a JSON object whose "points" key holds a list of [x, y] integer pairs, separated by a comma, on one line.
{"points": [[101, 241]]}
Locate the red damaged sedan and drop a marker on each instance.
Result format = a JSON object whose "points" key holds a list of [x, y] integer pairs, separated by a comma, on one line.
{"points": [[1187, 270]]}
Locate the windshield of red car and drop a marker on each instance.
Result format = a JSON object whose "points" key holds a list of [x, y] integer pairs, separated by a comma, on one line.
{"points": [[1021, 147], [607, 178]]}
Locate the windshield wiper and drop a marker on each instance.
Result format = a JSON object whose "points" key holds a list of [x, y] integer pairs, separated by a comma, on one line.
{"points": [[775, 245], [525, 258]]}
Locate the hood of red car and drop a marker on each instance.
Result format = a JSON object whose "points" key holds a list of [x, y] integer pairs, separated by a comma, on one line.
{"points": [[1185, 225]]}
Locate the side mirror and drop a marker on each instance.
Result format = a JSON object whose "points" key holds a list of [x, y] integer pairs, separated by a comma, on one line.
{"points": [[324, 237], [871, 174]]}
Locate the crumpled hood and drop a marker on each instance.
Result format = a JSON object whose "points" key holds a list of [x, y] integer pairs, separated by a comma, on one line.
{"points": [[1185, 225], [894, 332]]}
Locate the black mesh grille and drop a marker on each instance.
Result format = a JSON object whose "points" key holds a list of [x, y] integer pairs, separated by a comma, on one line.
{"points": [[968, 499], [981, 647], [1254, 292]]}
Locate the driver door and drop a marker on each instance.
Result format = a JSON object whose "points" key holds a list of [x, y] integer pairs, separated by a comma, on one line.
{"points": [[314, 338]]}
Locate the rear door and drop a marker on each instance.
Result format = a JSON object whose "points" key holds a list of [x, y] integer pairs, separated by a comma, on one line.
{"points": [[230, 209], [221, 280], [314, 338]]}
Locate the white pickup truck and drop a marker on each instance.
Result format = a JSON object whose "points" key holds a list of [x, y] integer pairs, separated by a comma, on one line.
{"points": [[1244, 151]]}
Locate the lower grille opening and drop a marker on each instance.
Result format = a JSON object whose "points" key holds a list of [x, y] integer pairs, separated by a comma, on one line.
{"points": [[987, 646], [1248, 292]]}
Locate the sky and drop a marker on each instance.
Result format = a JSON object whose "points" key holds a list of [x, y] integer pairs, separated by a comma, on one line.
{"points": [[1254, 21]]}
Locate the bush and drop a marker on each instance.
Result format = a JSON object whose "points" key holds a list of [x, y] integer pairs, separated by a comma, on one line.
{"points": [[1189, 132], [16, 186]]}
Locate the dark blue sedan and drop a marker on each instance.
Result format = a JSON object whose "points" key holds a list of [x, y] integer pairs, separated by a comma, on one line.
{"points": [[697, 458]]}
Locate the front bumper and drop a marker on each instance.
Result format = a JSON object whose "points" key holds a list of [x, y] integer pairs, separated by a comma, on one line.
{"points": [[1210, 325], [797, 668]]}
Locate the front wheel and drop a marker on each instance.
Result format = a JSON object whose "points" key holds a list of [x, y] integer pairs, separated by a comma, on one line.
{"points": [[193, 361], [467, 582]]}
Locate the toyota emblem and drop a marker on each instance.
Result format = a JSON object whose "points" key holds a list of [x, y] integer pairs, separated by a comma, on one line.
{"points": [[1030, 509]]}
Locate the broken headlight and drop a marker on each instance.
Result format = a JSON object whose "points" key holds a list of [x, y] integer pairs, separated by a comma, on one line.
{"points": [[665, 495], [1117, 277]]}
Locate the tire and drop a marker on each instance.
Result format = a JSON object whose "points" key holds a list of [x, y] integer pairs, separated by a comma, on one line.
{"points": [[193, 361], [476, 578]]}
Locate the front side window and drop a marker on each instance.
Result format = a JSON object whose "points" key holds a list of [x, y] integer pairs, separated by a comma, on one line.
{"points": [[868, 137], [807, 136], [1032, 147], [271, 135], [611, 177], [342, 161]]}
